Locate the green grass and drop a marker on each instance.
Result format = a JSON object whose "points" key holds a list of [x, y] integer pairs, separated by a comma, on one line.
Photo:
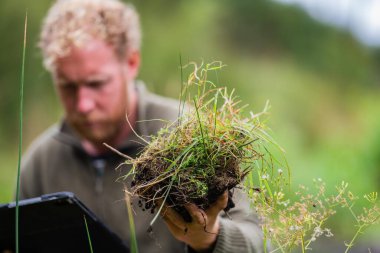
{"points": [[88, 234], [133, 237], [21, 99]]}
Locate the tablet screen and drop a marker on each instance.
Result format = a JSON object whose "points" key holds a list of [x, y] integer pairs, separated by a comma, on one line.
{"points": [[55, 223]]}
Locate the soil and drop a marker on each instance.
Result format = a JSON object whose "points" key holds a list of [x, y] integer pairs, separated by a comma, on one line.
{"points": [[226, 176]]}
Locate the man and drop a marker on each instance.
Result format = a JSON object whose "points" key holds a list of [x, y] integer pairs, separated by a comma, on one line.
{"points": [[91, 48]]}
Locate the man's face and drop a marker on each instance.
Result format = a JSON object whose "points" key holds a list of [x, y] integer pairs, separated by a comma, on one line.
{"points": [[92, 85]]}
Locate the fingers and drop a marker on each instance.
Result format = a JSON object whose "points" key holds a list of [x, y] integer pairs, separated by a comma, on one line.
{"points": [[169, 214], [198, 234], [219, 205], [198, 215], [174, 228]]}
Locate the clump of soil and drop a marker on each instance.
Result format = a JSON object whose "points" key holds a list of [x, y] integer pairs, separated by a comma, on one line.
{"points": [[207, 151], [179, 166]]}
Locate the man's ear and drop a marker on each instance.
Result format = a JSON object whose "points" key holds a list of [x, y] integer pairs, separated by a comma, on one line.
{"points": [[133, 64]]}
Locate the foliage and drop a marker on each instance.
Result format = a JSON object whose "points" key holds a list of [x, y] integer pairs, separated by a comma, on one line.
{"points": [[298, 222], [271, 28]]}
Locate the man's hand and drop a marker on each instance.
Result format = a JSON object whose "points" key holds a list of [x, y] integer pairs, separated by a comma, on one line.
{"points": [[201, 233]]}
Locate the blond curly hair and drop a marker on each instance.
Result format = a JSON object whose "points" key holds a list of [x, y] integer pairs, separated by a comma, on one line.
{"points": [[75, 22]]}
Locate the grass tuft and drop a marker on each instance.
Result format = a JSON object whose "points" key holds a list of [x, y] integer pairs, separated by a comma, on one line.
{"points": [[207, 151]]}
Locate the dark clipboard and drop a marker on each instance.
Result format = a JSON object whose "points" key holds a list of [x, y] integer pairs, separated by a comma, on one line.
{"points": [[55, 223]]}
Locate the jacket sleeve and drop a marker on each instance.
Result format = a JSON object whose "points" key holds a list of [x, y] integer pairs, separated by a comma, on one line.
{"points": [[238, 236], [241, 231]]}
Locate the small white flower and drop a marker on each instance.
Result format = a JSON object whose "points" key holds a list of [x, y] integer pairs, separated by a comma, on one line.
{"points": [[318, 231], [285, 203], [265, 176], [280, 171], [328, 232], [294, 228]]}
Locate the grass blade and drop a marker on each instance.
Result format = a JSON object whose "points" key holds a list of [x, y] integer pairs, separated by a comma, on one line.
{"points": [[88, 234], [134, 248], [200, 126], [180, 109], [20, 134]]}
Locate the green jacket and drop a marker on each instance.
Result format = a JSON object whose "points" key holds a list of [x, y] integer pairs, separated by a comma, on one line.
{"points": [[57, 162]]}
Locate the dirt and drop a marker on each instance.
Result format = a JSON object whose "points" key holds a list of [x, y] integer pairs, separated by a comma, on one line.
{"points": [[188, 188]]}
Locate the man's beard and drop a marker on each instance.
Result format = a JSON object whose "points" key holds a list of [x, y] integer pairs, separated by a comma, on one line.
{"points": [[102, 131]]}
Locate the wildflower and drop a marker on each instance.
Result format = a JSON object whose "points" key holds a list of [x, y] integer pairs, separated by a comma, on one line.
{"points": [[280, 195], [285, 203], [295, 228], [328, 232], [318, 231]]}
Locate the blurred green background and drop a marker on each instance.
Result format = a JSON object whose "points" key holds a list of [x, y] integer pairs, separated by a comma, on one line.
{"points": [[323, 85]]}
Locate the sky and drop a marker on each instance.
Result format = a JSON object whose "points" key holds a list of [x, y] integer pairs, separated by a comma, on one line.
{"points": [[361, 17]]}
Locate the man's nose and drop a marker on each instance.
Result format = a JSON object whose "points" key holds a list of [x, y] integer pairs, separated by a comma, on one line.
{"points": [[85, 100]]}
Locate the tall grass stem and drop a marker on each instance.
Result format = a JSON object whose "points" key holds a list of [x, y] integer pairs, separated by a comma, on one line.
{"points": [[133, 237], [20, 135], [88, 234]]}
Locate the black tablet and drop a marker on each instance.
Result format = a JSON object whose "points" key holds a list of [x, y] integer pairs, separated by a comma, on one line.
{"points": [[56, 223]]}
